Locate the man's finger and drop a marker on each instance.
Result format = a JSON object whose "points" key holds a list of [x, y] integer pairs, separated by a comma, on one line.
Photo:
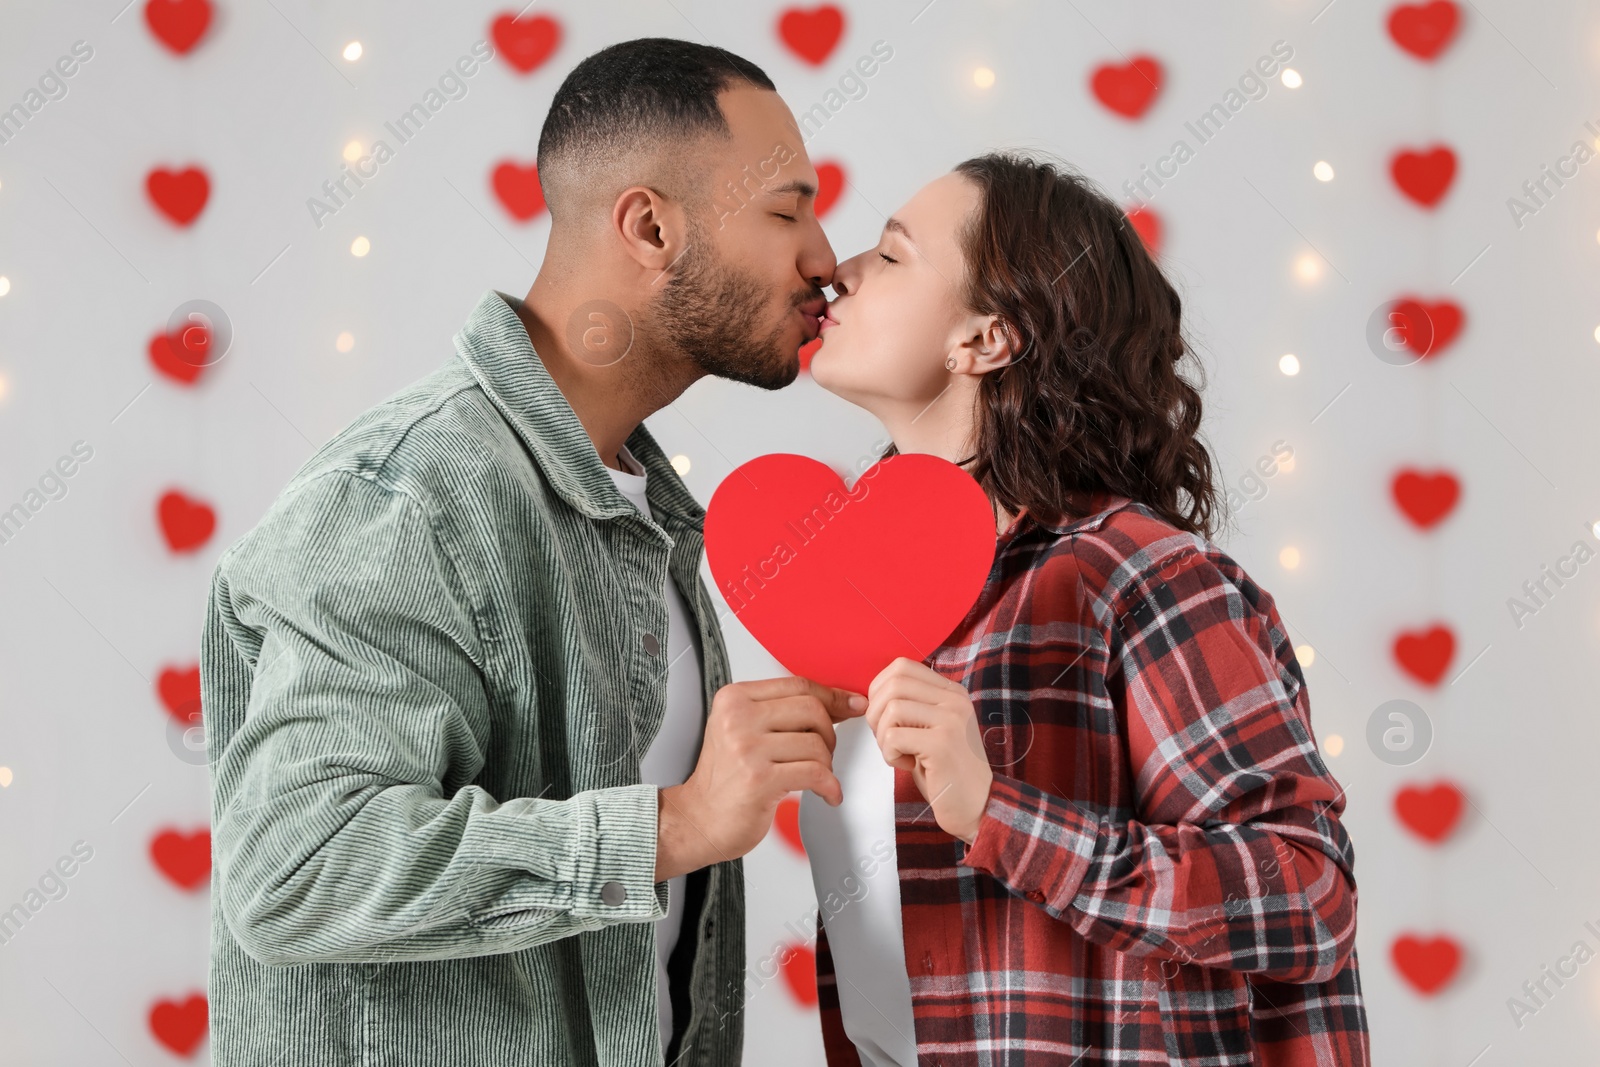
{"points": [[840, 704], [796, 714]]}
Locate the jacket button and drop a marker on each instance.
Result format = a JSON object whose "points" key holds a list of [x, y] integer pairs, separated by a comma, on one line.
{"points": [[652, 644], [613, 893]]}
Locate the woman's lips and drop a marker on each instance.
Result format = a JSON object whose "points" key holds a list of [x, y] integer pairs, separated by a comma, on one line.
{"points": [[826, 321]]}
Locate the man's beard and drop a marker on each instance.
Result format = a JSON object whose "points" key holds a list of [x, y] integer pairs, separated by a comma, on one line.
{"points": [[709, 314]]}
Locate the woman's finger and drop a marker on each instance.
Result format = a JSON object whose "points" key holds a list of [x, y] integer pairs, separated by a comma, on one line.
{"points": [[903, 712]]}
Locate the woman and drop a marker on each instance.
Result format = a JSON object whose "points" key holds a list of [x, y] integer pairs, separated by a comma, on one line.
{"points": [[1114, 840]]}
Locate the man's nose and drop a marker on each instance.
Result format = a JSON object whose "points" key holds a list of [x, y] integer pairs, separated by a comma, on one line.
{"points": [[818, 262]]}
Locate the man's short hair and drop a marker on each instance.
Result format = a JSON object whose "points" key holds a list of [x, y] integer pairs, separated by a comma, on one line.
{"points": [[640, 93]]}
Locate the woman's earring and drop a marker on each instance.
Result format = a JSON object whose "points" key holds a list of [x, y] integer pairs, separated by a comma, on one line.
{"points": [[950, 364]]}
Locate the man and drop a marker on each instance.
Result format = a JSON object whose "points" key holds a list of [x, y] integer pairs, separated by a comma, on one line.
{"points": [[437, 673]]}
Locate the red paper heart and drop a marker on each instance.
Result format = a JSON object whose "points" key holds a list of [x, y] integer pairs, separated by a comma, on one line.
{"points": [[1147, 224], [1429, 813], [1424, 176], [183, 858], [830, 184], [526, 42], [180, 1025], [1426, 328], [1129, 88], [800, 973], [808, 350], [1424, 29], [181, 355], [1427, 964], [187, 524], [180, 195], [786, 820], [179, 689], [812, 35], [518, 189], [178, 24], [1425, 654], [834, 583], [1426, 498]]}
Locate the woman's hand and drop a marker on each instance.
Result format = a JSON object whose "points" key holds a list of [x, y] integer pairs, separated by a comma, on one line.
{"points": [[925, 724]]}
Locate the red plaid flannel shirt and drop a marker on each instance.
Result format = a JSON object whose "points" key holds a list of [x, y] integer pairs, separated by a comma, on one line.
{"points": [[1160, 876]]}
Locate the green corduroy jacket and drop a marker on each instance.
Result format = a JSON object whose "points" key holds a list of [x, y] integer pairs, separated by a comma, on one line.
{"points": [[428, 676]]}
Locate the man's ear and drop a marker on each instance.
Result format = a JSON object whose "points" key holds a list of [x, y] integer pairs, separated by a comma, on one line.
{"points": [[652, 229]]}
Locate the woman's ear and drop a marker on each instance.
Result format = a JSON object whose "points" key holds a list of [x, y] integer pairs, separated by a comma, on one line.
{"points": [[990, 344], [651, 229]]}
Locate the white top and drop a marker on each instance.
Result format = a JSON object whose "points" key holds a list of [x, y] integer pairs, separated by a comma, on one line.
{"points": [[671, 757], [857, 878]]}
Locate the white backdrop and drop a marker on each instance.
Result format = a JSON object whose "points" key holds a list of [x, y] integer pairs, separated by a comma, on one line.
{"points": [[97, 965]]}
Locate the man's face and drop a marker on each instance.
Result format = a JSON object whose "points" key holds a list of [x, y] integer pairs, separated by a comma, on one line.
{"points": [[746, 293]]}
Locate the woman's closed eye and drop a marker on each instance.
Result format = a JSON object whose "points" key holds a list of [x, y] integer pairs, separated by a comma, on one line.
{"points": [[887, 258]]}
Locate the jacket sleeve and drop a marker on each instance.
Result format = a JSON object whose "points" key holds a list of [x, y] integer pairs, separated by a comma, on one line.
{"points": [[1237, 859], [341, 671]]}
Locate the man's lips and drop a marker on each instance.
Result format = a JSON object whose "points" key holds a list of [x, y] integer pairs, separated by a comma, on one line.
{"points": [[826, 320]]}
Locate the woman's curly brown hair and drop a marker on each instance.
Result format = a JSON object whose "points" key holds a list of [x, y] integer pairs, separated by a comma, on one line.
{"points": [[1094, 402]]}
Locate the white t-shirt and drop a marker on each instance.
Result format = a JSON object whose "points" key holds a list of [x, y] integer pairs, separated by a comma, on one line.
{"points": [[857, 878], [671, 757]]}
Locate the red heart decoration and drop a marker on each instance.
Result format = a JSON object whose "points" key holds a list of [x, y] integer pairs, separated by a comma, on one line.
{"points": [[786, 820], [187, 524], [834, 582], [1129, 88], [183, 858], [1424, 328], [1427, 964], [526, 43], [808, 350], [181, 355], [1429, 813], [1424, 29], [1147, 224], [800, 973], [812, 35], [1425, 654], [1424, 176], [180, 195], [518, 189], [179, 690], [180, 1026], [178, 24], [830, 184], [1426, 498]]}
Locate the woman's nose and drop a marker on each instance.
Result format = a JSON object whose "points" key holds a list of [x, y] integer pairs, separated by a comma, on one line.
{"points": [[844, 277]]}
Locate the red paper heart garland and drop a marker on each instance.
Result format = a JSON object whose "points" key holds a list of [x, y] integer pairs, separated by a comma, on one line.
{"points": [[180, 195], [1147, 224], [811, 34], [1427, 964], [181, 355], [1128, 89], [830, 184], [179, 690], [518, 189], [178, 24], [800, 973], [834, 582], [1424, 30], [1426, 328], [786, 820], [1424, 176], [525, 43], [184, 858], [180, 1025], [186, 524], [1426, 654], [1430, 813], [1426, 498]]}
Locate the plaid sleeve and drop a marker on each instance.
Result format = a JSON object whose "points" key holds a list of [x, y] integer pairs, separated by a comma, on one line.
{"points": [[1237, 858]]}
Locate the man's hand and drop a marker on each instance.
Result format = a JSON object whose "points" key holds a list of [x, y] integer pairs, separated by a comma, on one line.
{"points": [[763, 740], [925, 724]]}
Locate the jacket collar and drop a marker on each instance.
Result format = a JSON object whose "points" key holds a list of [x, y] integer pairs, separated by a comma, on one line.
{"points": [[496, 348], [1101, 507]]}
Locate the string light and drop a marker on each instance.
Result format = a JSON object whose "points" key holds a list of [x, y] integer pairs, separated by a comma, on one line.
{"points": [[1308, 268], [5, 285], [353, 151], [1289, 364], [1289, 557], [1291, 78], [5, 778], [1285, 465], [1323, 171], [360, 247], [5, 387], [1596, 527], [983, 77], [680, 463], [1305, 654], [352, 51], [345, 341], [1333, 744]]}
